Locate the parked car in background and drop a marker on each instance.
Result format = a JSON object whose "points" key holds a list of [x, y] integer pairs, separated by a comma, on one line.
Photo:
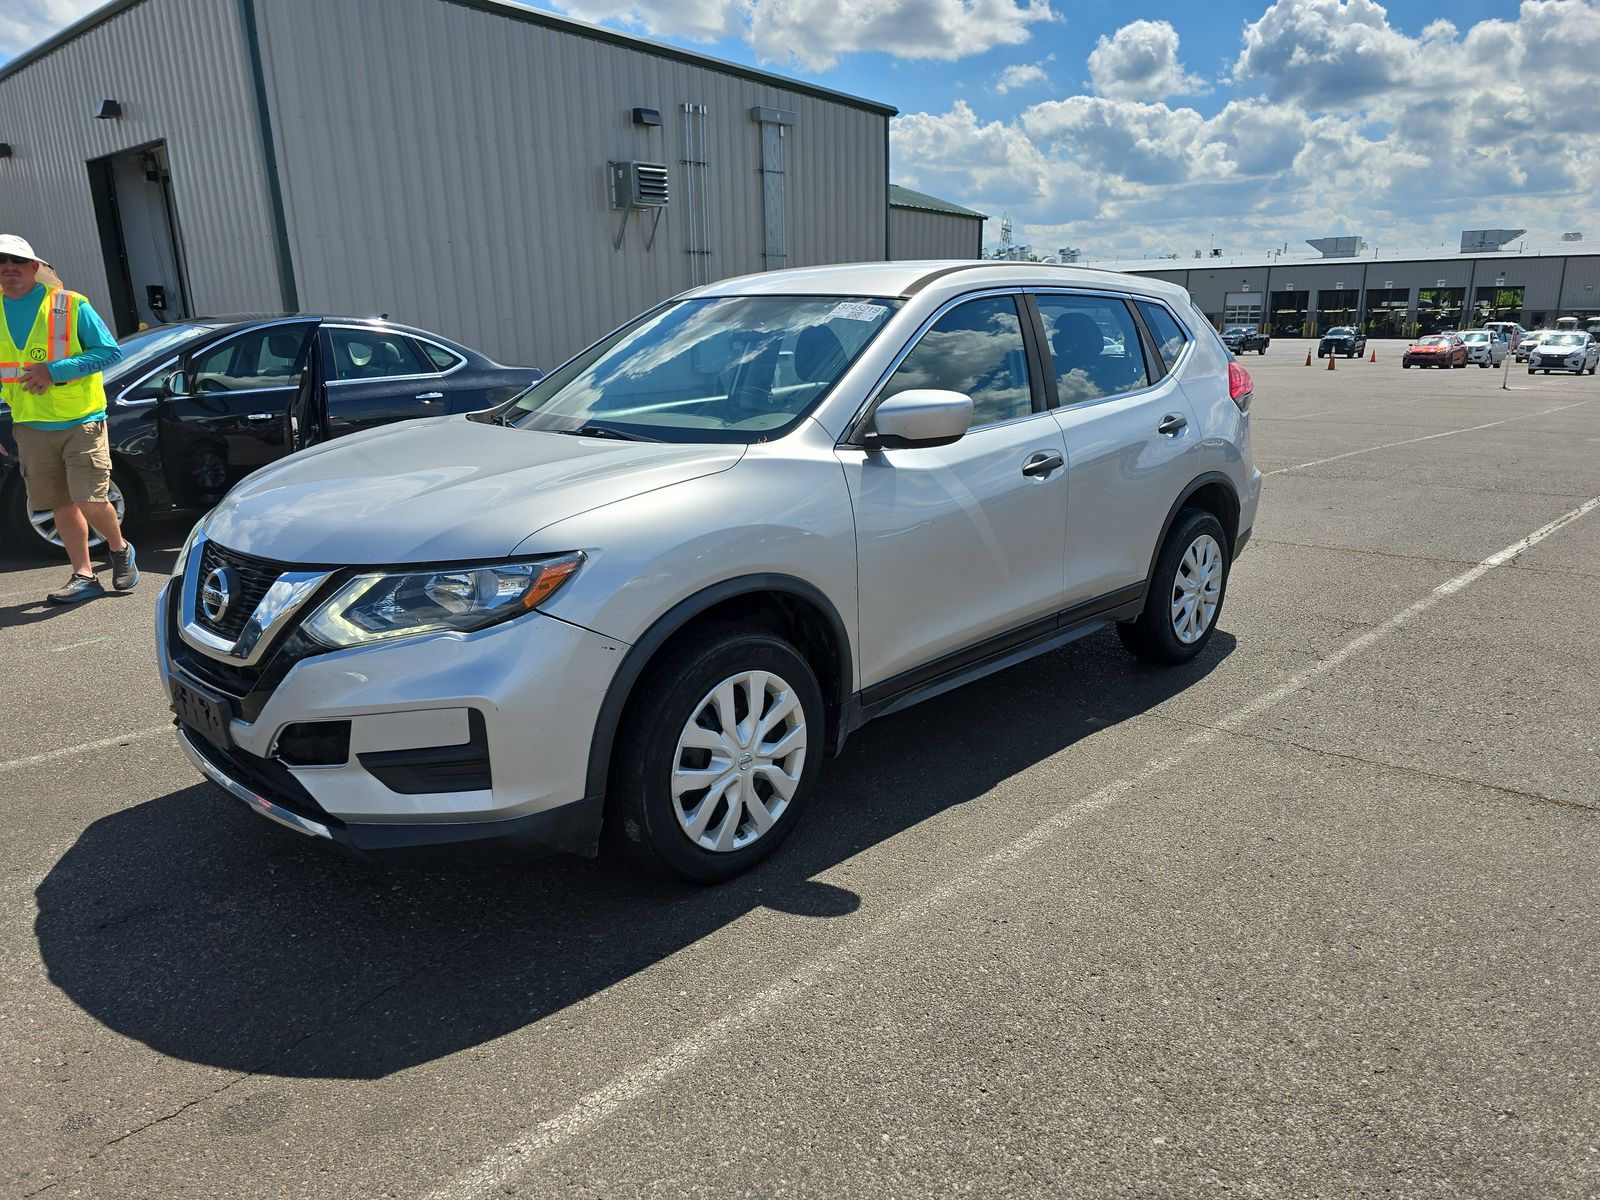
{"points": [[194, 407], [1342, 339], [1240, 338], [1435, 350], [1485, 347], [1512, 332], [1576, 352], [1530, 339], [654, 593]]}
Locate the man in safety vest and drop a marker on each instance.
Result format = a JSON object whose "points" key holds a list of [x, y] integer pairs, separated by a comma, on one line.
{"points": [[53, 348]]}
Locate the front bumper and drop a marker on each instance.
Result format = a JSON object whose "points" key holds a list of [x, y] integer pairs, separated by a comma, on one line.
{"points": [[445, 741]]}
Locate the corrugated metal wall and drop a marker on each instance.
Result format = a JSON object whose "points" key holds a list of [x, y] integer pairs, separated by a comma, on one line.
{"points": [[448, 166], [179, 69], [916, 234]]}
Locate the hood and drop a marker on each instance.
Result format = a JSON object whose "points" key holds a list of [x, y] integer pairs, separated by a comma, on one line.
{"points": [[441, 490]]}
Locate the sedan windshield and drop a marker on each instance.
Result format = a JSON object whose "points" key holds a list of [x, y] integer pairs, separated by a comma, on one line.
{"points": [[1563, 339], [728, 369], [1340, 332], [150, 344], [1475, 337]]}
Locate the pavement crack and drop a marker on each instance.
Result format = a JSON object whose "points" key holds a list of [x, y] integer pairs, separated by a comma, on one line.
{"points": [[1436, 776]]}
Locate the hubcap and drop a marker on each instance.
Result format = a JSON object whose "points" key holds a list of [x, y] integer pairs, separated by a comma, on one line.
{"points": [[739, 761], [1197, 589], [44, 520]]}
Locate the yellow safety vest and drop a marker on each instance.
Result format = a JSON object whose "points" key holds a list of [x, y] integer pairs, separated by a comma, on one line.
{"points": [[53, 338]]}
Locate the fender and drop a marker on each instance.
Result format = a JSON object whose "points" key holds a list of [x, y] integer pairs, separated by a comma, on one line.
{"points": [[1194, 486], [675, 619]]}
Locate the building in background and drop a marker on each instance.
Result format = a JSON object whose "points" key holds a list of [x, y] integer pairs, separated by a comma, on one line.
{"points": [[518, 180], [1387, 296], [923, 226]]}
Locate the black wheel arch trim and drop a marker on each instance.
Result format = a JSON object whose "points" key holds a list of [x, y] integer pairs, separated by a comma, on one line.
{"points": [[674, 620], [1206, 480]]}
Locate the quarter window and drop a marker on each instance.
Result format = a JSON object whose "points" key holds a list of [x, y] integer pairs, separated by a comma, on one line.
{"points": [[263, 358], [1169, 335], [374, 354], [441, 358], [1094, 345], [976, 348]]}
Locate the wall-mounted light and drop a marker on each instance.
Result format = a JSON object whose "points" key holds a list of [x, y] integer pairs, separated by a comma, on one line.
{"points": [[646, 116], [5, 149], [108, 110]]}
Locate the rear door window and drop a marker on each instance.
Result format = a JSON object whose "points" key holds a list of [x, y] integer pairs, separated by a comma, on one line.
{"points": [[1094, 346], [374, 354], [1169, 335]]}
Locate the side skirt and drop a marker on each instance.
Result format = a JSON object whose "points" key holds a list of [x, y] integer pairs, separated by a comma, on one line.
{"points": [[961, 667]]}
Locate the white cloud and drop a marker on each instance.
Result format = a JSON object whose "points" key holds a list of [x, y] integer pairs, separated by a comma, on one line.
{"points": [[1021, 75], [815, 33], [1140, 62], [26, 23]]}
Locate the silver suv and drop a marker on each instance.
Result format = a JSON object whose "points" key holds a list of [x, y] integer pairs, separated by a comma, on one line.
{"points": [[647, 597]]}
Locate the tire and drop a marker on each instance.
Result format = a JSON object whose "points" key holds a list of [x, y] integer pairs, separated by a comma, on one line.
{"points": [[1157, 635], [679, 722], [1261, 349], [1483, 366], [1406, 366], [33, 535]]}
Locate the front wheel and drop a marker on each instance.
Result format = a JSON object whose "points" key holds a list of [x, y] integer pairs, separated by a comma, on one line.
{"points": [[718, 756], [1186, 592]]}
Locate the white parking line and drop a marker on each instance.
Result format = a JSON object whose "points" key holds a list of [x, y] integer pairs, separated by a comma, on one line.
{"points": [[94, 641], [138, 735], [1427, 437], [498, 1172]]}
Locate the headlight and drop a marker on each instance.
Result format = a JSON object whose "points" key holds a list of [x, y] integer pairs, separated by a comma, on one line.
{"points": [[392, 604], [188, 544]]}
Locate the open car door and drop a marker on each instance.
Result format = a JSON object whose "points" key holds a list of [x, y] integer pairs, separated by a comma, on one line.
{"points": [[223, 414], [306, 421]]}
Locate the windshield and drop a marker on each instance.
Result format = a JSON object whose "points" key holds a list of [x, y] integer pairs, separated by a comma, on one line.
{"points": [[1564, 339], [1432, 341], [148, 345], [1340, 332], [1476, 337], [729, 369]]}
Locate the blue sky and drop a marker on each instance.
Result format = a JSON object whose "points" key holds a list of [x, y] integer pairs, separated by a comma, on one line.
{"points": [[1156, 128]]}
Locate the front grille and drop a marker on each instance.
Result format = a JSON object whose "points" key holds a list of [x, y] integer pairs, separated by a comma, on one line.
{"points": [[250, 579]]}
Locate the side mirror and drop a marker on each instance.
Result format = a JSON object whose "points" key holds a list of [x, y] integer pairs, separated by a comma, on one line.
{"points": [[176, 384], [919, 417]]}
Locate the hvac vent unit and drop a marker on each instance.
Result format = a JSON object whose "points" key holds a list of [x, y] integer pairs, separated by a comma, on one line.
{"points": [[638, 185]]}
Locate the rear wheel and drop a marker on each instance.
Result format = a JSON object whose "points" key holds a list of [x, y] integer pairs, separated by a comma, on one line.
{"points": [[1186, 592], [33, 531], [719, 755]]}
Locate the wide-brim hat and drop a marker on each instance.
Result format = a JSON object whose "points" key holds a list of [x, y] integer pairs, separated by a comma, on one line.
{"points": [[10, 243]]}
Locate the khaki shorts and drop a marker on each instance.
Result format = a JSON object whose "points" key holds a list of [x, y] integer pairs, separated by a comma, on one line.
{"points": [[64, 465]]}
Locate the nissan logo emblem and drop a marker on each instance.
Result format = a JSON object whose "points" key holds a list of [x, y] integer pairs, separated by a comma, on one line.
{"points": [[216, 594]]}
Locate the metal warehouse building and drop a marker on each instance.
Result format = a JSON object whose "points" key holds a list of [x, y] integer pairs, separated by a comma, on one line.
{"points": [[1388, 297], [923, 226], [518, 180]]}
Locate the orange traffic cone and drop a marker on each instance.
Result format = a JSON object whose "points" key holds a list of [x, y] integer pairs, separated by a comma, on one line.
{"points": [[1308, 358], [1330, 362], [1372, 355]]}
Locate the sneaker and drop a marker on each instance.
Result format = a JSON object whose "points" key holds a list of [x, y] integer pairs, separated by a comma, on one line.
{"points": [[79, 587], [124, 568]]}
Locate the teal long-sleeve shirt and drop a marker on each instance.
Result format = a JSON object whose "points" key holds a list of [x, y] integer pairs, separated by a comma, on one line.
{"points": [[100, 349]]}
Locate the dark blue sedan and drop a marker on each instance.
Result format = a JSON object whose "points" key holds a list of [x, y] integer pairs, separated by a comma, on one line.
{"points": [[194, 407]]}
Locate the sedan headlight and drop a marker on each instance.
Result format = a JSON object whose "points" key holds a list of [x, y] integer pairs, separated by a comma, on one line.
{"points": [[391, 604]]}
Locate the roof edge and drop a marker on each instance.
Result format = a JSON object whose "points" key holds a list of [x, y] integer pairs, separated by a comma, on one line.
{"points": [[56, 40], [515, 12], [901, 196], [532, 16]]}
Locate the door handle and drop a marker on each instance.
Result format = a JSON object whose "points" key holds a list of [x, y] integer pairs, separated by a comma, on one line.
{"points": [[430, 397], [1173, 424], [262, 417], [1041, 464]]}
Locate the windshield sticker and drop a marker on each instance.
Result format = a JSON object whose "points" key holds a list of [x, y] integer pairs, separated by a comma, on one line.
{"points": [[849, 311]]}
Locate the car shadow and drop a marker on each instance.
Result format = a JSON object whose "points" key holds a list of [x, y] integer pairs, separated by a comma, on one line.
{"points": [[213, 936]]}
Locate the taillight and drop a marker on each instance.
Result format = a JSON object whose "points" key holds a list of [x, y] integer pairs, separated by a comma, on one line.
{"points": [[1240, 386]]}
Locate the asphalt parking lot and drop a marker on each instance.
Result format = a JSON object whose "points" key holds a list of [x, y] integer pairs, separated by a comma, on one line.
{"points": [[1314, 915]]}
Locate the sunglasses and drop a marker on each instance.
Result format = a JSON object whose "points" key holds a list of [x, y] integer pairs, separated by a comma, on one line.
{"points": [[14, 261]]}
